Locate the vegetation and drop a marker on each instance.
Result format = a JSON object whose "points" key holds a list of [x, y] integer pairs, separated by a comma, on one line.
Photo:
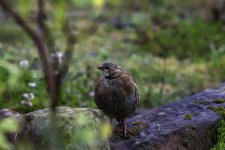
{"points": [[187, 116], [219, 110], [220, 136], [7, 125], [165, 68], [172, 48]]}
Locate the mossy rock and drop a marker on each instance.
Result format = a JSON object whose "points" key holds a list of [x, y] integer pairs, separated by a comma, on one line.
{"points": [[74, 128], [219, 110]]}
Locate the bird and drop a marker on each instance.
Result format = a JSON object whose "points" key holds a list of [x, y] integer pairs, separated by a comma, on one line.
{"points": [[116, 93]]}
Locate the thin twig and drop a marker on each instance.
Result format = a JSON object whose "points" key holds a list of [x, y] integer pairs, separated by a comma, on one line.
{"points": [[71, 40], [49, 39], [49, 70], [38, 40]]}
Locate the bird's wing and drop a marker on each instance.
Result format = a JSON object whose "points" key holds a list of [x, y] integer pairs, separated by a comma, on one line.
{"points": [[136, 92], [99, 95]]}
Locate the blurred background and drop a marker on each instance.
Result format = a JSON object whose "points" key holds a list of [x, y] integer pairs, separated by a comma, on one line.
{"points": [[173, 48]]}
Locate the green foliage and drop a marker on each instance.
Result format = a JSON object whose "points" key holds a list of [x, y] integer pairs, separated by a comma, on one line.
{"points": [[24, 6], [9, 73], [11, 32], [189, 38], [59, 17], [85, 135], [98, 3], [7, 125], [81, 3], [141, 20], [192, 49], [32, 84], [114, 2], [220, 145], [217, 64], [219, 110]]}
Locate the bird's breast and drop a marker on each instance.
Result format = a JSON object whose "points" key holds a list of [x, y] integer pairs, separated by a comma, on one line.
{"points": [[116, 97]]}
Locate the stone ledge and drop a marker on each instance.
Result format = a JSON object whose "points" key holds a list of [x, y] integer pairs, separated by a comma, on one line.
{"points": [[187, 124]]}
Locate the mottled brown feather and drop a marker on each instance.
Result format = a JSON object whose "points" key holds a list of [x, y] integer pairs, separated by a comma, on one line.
{"points": [[117, 97]]}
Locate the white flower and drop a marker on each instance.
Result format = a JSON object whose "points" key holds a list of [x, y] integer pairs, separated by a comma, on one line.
{"points": [[60, 55], [31, 96], [26, 102], [32, 84], [25, 95], [28, 95], [24, 63]]}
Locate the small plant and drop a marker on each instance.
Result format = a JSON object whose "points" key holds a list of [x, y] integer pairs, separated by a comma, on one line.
{"points": [[187, 116], [202, 102], [53, 68], [219, 110], [218, 101], [7, 125], [220, 145]]}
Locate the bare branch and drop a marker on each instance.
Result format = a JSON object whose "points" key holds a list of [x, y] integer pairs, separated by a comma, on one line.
{"points": [[50, 42], [41, 23], [41, 16], [71, 40], [38, 40]]}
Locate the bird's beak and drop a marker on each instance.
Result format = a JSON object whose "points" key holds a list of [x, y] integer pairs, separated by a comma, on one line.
{"points": [[100, 68]]}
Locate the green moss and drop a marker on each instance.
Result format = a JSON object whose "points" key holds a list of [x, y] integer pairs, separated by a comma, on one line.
{"points": [[218, 101], [202, 102], [205, 102], [136, 123], [211, 108], [136, 128], [188, 117], [219, 110]]}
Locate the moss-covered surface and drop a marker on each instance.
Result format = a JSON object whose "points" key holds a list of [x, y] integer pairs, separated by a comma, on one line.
{"points": [[134, 128], [207, 102], [219, 110], [77, 128], [218, 101], [188, 116], [202, 102]]}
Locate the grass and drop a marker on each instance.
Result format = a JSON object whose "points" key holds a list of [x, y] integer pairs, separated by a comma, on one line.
{"points": [[219, 110], [156, 87], [11, 32], [220, 145], [165, 68]]}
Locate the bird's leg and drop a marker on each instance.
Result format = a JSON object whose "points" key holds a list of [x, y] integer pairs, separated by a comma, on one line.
{"points": [[124, 127]]}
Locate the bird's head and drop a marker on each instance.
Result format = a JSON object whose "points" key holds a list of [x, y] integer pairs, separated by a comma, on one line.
{"points": [[111, 70]]}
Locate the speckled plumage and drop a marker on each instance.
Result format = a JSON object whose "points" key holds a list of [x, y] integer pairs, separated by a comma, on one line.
{"points": [[116, 92]]}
